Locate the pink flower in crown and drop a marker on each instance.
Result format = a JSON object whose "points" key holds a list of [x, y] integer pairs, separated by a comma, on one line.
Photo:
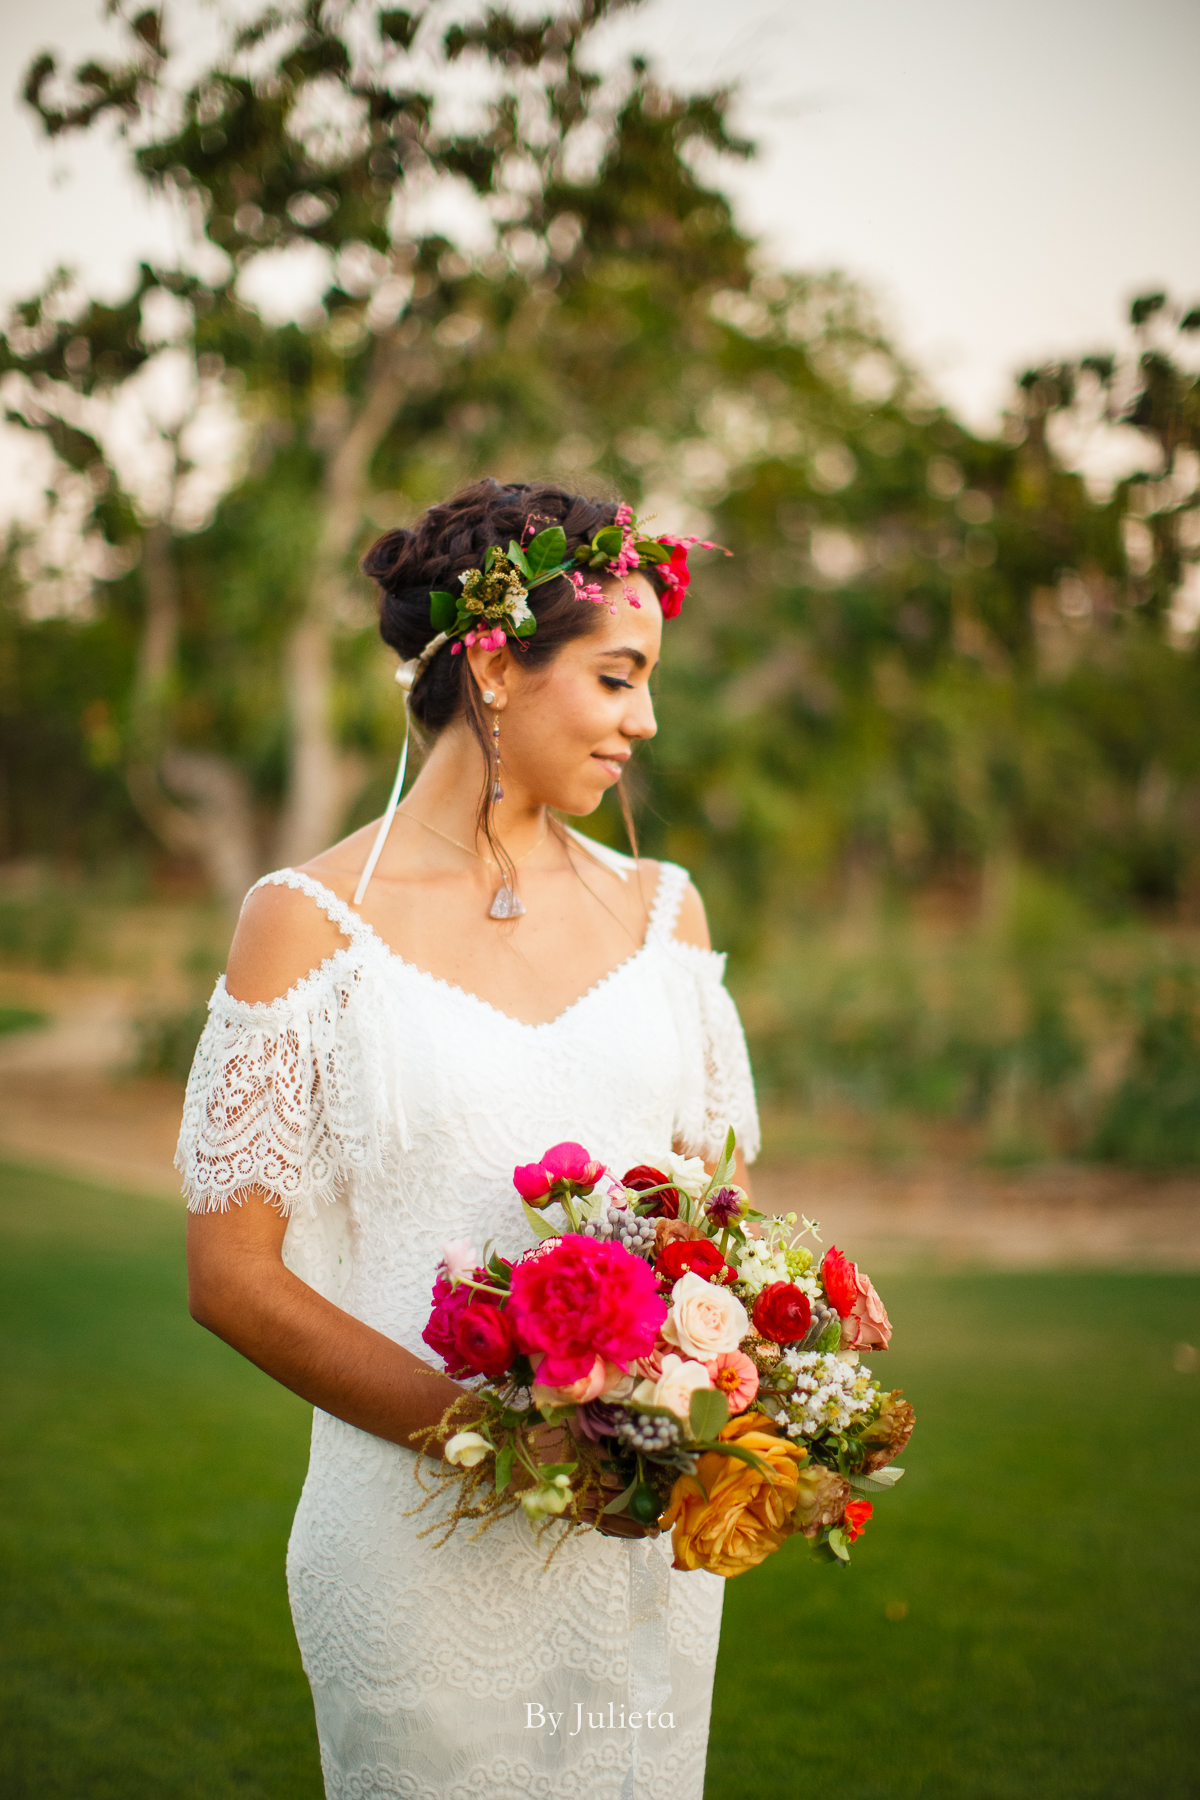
{"points": [[586, 590], [587, 1300]]}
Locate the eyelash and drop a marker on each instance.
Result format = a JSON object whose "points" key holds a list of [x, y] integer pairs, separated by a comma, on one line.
{"points": [[612, 682]]}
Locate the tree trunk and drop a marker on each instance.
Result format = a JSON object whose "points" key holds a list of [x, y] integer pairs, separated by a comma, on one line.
{"points": [[216, 821], [322, 778]]}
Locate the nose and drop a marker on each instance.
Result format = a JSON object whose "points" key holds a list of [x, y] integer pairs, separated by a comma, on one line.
{"points": [[639, 720]]}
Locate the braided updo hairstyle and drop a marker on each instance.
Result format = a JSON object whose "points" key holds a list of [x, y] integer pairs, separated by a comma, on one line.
{"points": [[454, 536]]}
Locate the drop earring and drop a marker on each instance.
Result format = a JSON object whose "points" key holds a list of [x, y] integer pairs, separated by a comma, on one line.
{"points": [[497, 789]]}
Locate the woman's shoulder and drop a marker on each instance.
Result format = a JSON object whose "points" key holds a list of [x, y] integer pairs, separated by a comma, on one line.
{"points": [[291, 923]]}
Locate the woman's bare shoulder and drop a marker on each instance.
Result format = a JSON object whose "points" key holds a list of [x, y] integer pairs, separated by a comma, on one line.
{"points": [[282, 936]]}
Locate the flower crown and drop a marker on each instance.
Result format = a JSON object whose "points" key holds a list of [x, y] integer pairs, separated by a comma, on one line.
{"points": [[493, 604]]}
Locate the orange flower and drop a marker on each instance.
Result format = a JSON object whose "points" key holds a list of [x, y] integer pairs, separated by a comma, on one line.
{"points": [[729, 1516], [855, 1521]]}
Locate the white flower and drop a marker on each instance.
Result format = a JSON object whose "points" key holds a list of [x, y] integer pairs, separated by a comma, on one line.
{"points": [[466, 1448], [516, 607], [550, 1498], [687, 1173], [459, 1257], [829, 1393], [675, 1386]]}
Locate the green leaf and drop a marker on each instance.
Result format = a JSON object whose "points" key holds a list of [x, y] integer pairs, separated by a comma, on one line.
{"points": [[504, 1464], [517, 557], [750, 1457], [543, 1229], [608, 541], [838, 1545], [443, 610], [546, 553], [525, 629], [621, 1502], [649, 550], [878, 1483], [830, 1338], [708, 1412]]}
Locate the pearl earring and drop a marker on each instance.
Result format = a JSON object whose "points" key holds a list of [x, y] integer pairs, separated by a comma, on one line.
{"points": [[488, 697]]}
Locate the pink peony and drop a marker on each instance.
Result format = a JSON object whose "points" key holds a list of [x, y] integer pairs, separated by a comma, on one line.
{"points": [[735, 1376], [571, 1162], [531, 1182], [585, 1300], [449, 1303], [866, 1326]]}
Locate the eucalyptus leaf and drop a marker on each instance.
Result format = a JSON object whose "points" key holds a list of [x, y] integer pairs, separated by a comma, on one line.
{"points": [[443, 610], [707, 1414], [504, 1465], [878, 1483], [542, 1227], [740, 1452], [622, 1500], [839, 1546]]}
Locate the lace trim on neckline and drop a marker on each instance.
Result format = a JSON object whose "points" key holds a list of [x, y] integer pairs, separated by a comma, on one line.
{"points": [[664, 909]]}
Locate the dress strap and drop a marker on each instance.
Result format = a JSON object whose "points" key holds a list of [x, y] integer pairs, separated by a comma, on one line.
{"points": [[344, 917], [668, 897]]}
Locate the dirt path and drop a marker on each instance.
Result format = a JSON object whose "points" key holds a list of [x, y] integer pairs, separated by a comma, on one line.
{"points": [[61, 1108]]}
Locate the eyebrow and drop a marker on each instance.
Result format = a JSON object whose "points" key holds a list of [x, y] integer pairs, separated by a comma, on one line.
{"points": [[636, 657]]}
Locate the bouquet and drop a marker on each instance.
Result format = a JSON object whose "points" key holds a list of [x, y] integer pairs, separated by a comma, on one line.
{"points": [[696, 1350]]}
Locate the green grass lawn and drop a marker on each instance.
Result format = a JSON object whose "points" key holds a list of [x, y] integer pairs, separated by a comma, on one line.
{"points": [[1042, 1548]]}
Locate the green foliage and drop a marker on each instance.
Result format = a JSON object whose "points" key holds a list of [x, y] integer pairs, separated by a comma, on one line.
{"points": [[1153, 1119], [166, 1042]]}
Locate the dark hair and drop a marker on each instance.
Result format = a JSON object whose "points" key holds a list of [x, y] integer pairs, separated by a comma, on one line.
{"points": [[454, 536]]}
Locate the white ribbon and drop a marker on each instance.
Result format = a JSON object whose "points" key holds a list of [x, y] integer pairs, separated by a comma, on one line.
{"points": [[649, 1650]]}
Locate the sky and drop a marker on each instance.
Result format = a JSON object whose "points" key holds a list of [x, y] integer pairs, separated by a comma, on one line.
{"points": [[1004, 178]]}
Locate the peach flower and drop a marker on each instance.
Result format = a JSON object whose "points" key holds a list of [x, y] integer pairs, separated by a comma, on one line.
{"points": [[730, 1516], [735, 1376], [603, 1380], [866, 1326], [704, 1320], [675, 1386]]}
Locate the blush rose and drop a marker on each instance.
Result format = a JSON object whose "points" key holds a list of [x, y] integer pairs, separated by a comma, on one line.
{"points": [[704, 1320]]}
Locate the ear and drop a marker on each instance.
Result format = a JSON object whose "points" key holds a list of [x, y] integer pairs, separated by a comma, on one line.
{"points": [[492, 669]]}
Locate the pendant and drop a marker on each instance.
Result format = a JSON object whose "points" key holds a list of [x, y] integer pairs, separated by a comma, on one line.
{"points": [[506, 905]]}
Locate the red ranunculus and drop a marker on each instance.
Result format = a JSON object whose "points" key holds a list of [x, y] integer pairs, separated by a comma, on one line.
{"points": [[700, 1255], [484, 1339], [782, 1313], [666, 1204], [840, 1278], [855, 1521]]}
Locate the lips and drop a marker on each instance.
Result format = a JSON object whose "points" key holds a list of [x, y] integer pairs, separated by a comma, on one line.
{"points": [[615, 764]]}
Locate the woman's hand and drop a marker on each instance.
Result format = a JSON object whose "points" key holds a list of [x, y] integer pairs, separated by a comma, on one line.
{"points": [[555, 1443]]}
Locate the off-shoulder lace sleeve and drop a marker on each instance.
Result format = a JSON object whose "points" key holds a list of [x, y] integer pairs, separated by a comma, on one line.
{"points": [[286, 1096], [718, 1089]]}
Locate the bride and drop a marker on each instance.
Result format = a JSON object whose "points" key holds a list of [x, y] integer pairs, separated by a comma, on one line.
{"points": [[391, 1038]]}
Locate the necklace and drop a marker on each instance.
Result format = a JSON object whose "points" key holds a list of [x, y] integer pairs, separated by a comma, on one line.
{"points": [[505, 904]]}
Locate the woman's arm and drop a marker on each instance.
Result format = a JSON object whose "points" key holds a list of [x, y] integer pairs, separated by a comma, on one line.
{"points": [[240, 1289]]}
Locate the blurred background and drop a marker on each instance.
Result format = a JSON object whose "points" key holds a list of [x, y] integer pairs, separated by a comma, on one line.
{"points": [[901, 306]]}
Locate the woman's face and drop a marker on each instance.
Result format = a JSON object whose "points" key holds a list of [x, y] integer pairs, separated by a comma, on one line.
{"points": [[568, 729]]}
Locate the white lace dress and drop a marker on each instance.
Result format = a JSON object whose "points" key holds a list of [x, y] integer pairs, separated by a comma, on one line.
{"points": [[384, 1110]]}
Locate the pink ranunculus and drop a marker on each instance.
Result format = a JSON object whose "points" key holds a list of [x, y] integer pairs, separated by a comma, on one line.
{"points": [[571, 1162], [584, 1300], [532, 1182], [459, 1256], [866, 1326], [735, 1376]]}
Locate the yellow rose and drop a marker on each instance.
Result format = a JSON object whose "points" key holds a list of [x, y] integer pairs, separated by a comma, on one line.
{"points": [[732, 1517]]}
